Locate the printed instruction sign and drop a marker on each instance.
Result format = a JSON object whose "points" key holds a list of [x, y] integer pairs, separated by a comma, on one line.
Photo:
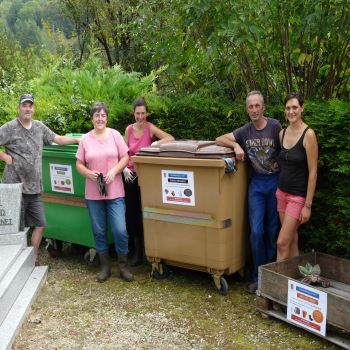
{"points": [[178, 187], [61, 178], [307, 307]]}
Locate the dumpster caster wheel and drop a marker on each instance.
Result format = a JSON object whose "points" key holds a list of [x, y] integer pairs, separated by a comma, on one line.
{"points": [[221, 284], [91, 257], [54, 248], [160, 271]]}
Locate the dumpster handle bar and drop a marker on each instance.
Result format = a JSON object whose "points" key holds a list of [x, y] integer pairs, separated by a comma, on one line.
{"points": [[182, 217], [65, 200]]}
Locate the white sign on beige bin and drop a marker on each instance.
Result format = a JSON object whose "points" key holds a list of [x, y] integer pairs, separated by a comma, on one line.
{"points": [[178, 187], [10, 208]]}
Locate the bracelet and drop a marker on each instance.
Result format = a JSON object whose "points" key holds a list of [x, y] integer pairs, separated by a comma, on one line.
{"points": [[307, 206]]}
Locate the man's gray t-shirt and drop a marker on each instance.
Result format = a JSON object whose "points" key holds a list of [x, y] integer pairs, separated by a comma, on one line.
{"points": [[261, 146], [25, 147]]}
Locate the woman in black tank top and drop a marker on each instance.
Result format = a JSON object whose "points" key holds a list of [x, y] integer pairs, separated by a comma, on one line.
{"points": [[297, 181]]}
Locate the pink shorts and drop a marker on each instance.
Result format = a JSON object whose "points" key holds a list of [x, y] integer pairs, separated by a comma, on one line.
{"points": [[289, 204]]}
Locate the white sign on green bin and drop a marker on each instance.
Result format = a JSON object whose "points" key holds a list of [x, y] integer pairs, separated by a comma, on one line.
{"points": [[61, 178], [178, 187]]}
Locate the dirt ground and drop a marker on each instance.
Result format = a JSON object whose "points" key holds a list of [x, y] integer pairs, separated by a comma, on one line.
{"points": [[73, 311]]}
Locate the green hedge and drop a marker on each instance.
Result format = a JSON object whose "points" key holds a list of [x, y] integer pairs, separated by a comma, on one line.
{"points": [[196, 117], [64, 96], [329, 229]]}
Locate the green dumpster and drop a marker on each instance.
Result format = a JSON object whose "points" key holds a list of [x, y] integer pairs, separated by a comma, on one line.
{"points": [[67, 217]]}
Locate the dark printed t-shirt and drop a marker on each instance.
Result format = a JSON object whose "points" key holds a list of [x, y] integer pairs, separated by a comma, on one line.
{"points": [[25, 147], [261, 146]]}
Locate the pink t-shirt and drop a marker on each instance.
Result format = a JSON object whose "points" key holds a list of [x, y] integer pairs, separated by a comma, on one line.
{"points": [[136, 143], [102, 155]]}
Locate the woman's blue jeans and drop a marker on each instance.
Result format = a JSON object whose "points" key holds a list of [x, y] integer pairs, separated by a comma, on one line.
{"points": [[264, 219], [107, 211]]}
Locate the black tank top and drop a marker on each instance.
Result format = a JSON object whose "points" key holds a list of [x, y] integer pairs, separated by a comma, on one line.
{"points": [[294, 172]]}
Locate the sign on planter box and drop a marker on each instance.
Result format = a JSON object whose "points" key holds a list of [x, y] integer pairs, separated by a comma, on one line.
{"points": [[307, 307]]}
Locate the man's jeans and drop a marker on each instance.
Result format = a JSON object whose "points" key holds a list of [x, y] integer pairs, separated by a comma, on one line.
{"points": [[114, 210], [264, 220]]}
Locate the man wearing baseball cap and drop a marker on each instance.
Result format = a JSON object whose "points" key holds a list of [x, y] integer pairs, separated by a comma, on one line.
{"points": [[23, 139]]}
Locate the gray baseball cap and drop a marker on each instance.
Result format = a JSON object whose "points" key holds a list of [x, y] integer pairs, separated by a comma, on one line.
{"points": [[26, 98]]}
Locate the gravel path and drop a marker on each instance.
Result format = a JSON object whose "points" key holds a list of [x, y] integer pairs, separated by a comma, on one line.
{"points": [[72, 311]]}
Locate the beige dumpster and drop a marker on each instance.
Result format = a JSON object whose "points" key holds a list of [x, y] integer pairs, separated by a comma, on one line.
{"points": [[194, 208]]}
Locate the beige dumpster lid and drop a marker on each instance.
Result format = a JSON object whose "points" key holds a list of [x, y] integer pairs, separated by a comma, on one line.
{"points": [[188, 149]]}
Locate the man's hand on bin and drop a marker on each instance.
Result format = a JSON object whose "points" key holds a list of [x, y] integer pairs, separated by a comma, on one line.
{"points": [[240, 155], [129, 175]]}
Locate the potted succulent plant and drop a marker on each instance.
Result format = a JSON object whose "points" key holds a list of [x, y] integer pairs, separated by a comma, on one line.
{"points": [[312, 275]]}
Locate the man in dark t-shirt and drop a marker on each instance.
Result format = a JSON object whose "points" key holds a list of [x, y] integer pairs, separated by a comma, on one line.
{"points": [[258, 142], [23, 139]]}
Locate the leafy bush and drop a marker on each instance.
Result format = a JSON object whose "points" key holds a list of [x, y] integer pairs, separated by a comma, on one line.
{"points": [[64, 97], [198, 117], [14, 75], [328, 230], [329, 227]]}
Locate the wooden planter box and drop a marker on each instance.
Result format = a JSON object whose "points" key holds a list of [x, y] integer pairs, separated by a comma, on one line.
{"points": [[273, 287]]}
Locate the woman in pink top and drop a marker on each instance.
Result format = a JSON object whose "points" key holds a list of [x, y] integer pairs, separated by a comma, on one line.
{"points": [[137, 135], [101, 157]]}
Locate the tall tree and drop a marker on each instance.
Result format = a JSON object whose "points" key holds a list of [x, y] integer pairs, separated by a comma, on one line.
{"points": [[225, 47], [106, 22]]}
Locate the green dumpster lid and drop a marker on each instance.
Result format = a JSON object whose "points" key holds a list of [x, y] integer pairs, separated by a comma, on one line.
{"points": [[75, 134], [64, 148]]}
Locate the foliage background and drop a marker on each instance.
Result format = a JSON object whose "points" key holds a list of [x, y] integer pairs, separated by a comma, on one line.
{"points": [[194, 61]]}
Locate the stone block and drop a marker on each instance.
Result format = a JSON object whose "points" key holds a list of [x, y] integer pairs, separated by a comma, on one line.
{"points": [[15, 238], [13, 281], [16, 315], [10, 208], [8, 254]]}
